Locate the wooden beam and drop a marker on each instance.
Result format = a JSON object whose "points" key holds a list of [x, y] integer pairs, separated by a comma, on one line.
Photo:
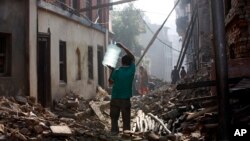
{"points": [[208, 83], [200, 113], [200, 99], [196, 85]]}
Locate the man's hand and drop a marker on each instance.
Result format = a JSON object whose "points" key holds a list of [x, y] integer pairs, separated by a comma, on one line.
{"points": [[120, 45], [111, 82], [126, 50], [110, 67]]}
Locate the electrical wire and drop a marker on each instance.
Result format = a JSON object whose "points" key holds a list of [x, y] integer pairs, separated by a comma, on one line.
{"points": [[145, 23], [155, 35]]}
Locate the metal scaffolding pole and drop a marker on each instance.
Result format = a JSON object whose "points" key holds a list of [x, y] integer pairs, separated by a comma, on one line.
{"points": [[156, 34], [221, 69], [186, 40]]}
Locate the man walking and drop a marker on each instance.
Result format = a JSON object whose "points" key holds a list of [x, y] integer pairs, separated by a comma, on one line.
{"points": [[183, 73], [175, 75], [122, 80]]}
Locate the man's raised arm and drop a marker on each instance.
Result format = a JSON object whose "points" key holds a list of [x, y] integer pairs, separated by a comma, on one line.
{"points": [[126, 50]]}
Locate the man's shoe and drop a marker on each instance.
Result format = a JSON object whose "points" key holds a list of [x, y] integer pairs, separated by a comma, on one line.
{"points": [[114, 134]]}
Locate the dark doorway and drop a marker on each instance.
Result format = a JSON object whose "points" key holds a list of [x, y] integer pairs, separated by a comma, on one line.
{"points": [[100, 66], [43, 69]]}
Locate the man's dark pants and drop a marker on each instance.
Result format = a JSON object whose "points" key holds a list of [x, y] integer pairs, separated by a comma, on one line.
{"points": [[117, 106]]}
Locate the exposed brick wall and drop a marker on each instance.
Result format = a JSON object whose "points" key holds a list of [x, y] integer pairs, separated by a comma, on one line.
{"points": [[237, 23], [105, 13], [237, 29], [81, 3], [69, 3], [94, 12]]}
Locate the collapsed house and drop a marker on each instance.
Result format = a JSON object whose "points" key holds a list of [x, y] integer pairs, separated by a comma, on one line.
{"points": [[216, 46]]}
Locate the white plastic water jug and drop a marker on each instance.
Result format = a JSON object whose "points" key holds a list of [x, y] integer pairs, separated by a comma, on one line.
{"points": [[111, 56]]}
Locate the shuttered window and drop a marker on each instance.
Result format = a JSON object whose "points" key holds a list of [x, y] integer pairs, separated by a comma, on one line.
{"points": [[90, 62], [5, 55], [62, 63]]}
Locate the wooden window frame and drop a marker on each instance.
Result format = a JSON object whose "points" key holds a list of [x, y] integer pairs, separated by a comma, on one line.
{"points": [[79, 70], [62, 61], [5, 42], [77, 6], [90, 62], [100, 67]]}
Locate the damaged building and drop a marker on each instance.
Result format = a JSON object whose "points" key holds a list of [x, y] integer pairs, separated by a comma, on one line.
{"points": [[217, 54], [52, 47], [194, 25]]}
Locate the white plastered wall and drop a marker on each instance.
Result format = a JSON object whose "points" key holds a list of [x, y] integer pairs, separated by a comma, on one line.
{"points": [[76, 36]]}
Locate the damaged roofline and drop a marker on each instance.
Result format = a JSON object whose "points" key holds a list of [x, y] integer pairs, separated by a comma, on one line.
{"points": [[66, 14]]}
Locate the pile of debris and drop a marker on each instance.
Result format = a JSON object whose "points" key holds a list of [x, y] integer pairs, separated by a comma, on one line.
{"points": [[170, 114], [160, 114], [73, 119], [190, 114], [163, 114], [22, 119]]}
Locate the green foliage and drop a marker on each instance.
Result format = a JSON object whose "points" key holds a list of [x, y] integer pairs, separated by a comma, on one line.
{"points": [[127, 25]]}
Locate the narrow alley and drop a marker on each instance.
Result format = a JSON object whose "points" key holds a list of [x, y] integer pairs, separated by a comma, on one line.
{"points": [[124, 70]]}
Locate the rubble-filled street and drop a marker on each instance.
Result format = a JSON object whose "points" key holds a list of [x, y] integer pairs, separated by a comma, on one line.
{"points": [[160, 115], [164, 114]]}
